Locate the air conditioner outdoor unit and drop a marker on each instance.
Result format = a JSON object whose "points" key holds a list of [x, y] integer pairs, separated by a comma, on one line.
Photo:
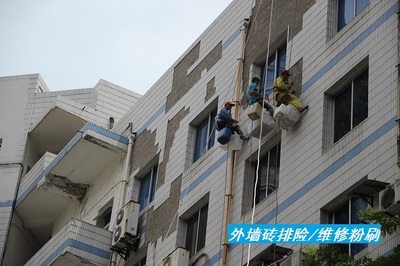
{"points": [[126, 222], [180, 257], [389, 199]]}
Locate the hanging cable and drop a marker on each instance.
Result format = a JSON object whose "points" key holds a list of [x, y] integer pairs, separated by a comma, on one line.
{"points": [[260, 135], [288, 35]]}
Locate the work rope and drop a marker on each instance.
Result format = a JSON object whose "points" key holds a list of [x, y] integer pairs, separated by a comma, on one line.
{"points": [[261, 128], [289, 33], [260, 135]]}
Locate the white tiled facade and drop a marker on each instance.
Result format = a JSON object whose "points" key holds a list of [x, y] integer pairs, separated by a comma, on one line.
{"points": [[316, 175]]}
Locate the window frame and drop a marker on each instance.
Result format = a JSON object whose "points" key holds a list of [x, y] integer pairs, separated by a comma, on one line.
{"points": [[152, 175], [141, 262], [268, 169], [352, 249], [199, 231], [336, 118], [356, 9], [104, 217], [202, 145], [267, 80]]}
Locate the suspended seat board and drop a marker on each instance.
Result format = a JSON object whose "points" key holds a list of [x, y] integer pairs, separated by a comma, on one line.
{"points": [[287, 115], [235, 144], [267, 125]]}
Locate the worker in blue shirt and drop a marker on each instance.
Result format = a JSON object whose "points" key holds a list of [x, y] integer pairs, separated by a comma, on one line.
{"points": [[254, 95], [224, 119]]}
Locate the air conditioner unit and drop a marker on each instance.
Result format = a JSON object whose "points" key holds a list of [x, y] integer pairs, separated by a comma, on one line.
{"points": [[389, 199], [180, 257], [126, 222]]}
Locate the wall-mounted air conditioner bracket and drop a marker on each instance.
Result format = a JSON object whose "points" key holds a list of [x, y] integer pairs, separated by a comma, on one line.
{"points": [[131, 244]]}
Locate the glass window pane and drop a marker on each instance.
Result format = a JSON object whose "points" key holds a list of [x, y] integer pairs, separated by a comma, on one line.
{"points": [[268, 173], [261, 190], [262, 75], [361, 4], [201, 139], [342, 114], [345, 12], [281, 60], [153, 183], [212, 129], [269, 85], [144, 191], [205, 135], [191, 234], [357, 204], [360, 98], [341, 216], [273, 169], [201, 242]]}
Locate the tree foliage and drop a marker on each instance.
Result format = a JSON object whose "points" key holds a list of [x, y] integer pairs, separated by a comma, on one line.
{"points": [[329, 255], [389, 224]]}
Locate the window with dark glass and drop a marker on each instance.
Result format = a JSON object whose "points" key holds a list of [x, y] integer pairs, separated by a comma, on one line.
{"points": [[348, 214], [351, 106], [196, 231], [276, 63], [267, 173], [348, 9], [142, 262], [104, 218], [205, 135], [148, 188]]}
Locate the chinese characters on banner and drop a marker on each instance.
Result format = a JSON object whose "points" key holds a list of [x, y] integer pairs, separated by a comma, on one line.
{"points": [[304, 233]]}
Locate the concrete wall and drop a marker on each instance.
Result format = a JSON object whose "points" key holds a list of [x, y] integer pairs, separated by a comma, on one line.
{"points": [[15, 108]]}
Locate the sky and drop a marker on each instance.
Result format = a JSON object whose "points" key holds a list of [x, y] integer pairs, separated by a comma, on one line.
{"points": [[73, 44]]}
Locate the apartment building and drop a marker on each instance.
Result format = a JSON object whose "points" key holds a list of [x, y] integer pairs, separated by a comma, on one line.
{"points": [[158, 189], [41, 132]]}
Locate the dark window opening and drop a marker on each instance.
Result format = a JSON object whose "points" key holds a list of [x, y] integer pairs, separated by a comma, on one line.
{"points": [[196, 231]]}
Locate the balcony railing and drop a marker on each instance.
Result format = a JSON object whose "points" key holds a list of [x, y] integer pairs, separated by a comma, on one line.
{"points": [[77, 243]]}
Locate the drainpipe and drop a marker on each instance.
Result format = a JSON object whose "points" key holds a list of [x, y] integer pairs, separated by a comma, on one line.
{"points": [[124, 185], [398, 99], [243, 31]]}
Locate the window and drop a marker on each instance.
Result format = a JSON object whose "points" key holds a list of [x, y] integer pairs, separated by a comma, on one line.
{"points": [[351, 106], [104, 217], [267, 173], [348, 214], [348, 9], [196, 231], [142, 262], [148, 188], [205, 135], [276, 63]]}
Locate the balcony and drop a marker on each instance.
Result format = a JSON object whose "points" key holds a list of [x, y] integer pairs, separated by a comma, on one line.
{"points": [[58, 124], [77, 243], [59, 182]]}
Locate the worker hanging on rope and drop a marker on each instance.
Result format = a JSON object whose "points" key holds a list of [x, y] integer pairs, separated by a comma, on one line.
{"points": [[284, 94], [254, 95], [224, 119]]}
